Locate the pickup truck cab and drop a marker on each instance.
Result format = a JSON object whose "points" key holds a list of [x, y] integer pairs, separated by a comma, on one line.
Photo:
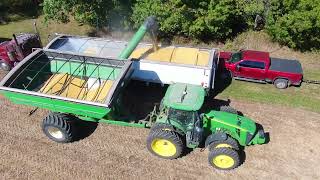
{"points": [[258, 66]]}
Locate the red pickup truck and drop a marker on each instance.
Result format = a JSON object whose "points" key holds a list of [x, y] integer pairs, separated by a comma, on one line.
{"points": [[12, 52], [258, 66]]}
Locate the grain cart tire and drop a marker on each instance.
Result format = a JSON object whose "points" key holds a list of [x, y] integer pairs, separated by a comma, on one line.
{"points": [[228, 109], [228, 143], [224, 158], [281, 83], [165, 144], [58, 127]]}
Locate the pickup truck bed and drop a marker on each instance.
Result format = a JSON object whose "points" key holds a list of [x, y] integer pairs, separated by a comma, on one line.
{"points": [[285, 65]]}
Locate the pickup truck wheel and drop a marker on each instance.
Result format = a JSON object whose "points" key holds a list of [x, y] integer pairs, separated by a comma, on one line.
{"points": [[229, 143], [165, 144], [224, 158], [228, 109], [5, 66], [58, 127], [281, 83]]}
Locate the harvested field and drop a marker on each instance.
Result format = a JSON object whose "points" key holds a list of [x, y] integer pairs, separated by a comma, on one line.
{"points": [[114, 152]]}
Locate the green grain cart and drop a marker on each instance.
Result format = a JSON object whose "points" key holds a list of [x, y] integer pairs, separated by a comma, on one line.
{"points": [[79, 87]]}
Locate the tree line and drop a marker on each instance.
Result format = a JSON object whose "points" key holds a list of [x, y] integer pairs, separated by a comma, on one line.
{"points": [[295, 23]]}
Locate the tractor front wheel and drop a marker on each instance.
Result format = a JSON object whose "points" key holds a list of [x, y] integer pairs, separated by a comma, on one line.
{"points": [[58, 127], [165, 144], [224, 158], [228, 143]]}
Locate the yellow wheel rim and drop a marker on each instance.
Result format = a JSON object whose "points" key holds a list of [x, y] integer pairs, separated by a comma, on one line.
{"points": [[166, 129], [163, 147], [223, 161], [223, 145]]}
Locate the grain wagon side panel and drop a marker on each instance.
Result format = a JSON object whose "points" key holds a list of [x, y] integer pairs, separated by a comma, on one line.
{"points": [[57, 105]]}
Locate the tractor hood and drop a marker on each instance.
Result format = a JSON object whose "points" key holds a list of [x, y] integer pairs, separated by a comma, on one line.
{"points": [[229, 120]]}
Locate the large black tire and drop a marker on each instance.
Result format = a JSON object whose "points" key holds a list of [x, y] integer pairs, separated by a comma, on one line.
{"points": [[224, 158], [165, 144], [281, 83], [229, 143], [58, 127], [228, 109]]}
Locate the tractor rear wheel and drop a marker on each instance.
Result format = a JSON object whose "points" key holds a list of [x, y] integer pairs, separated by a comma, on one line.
{"points": [[224, 158], [165, 144], [228, 143], [58, 127]]}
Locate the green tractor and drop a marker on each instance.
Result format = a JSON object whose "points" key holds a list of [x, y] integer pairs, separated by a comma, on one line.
{"points": [[180, 124]]}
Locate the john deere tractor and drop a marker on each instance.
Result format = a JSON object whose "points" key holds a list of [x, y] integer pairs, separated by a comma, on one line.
{"points": [[181, 124]]}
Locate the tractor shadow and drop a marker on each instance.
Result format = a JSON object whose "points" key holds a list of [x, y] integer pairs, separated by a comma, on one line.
{"points": [[242, 156], [140, 98]]}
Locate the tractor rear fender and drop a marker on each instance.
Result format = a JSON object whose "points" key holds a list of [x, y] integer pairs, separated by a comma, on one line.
{"points": [[218, 136]]}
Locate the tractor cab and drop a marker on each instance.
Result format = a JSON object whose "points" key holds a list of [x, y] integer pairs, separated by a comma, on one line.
{"points": [[179, 108]]}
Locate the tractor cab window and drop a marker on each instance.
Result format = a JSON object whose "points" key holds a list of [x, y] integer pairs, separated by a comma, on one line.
{"points": [[185, 117], [236, 57]]}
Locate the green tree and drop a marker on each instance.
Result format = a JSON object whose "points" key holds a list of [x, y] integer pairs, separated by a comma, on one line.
{"points": [[84, 11], [201, 19], [295, 23], [250, 9]]}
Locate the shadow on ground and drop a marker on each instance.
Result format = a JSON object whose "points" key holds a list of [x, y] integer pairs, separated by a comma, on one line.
{"points": [[222, 81], [84, 129]]}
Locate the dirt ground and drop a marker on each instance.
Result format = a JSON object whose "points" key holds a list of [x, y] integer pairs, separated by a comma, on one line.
{"points": [[114, 152]]}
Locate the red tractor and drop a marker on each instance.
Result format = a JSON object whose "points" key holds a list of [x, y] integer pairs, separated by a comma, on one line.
{"points": [[13, 51]]}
